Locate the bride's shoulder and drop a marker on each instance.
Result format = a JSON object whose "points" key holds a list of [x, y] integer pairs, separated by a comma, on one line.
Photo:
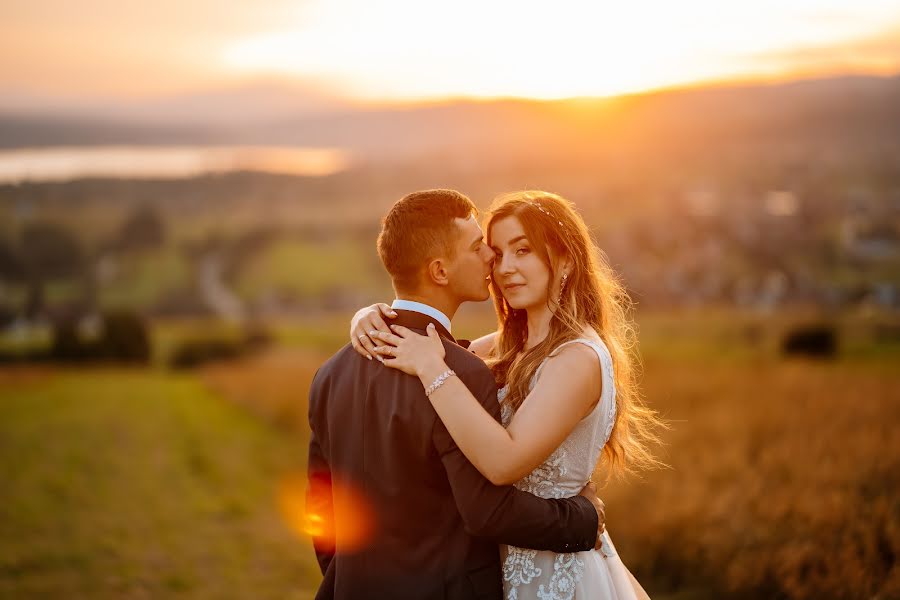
{"points": [[572, 371], [482, 346], [585, 349], [586, 340], [580, 350]]}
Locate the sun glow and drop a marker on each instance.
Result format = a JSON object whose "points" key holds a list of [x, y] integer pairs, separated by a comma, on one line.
{"points": [[568, 48], [352, 524]]}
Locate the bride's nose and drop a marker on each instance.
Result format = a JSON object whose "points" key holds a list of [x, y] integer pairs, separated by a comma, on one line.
{"points": [[503, 265]]}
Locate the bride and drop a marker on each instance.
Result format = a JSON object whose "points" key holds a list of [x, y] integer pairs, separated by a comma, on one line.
{"points": [[562, 357]]}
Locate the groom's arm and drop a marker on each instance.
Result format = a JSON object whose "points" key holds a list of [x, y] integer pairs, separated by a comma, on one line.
{"points": [[319, 507], [503, 513]]}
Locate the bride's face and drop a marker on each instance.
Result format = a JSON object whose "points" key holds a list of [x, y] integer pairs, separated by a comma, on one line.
{"points": [[518, 269]]}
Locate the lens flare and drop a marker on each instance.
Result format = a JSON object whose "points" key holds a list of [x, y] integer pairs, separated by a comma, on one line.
{"points": [[351, 524]]}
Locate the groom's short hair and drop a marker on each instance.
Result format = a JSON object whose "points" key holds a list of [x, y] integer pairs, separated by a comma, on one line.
{"points": [[418, 228]]}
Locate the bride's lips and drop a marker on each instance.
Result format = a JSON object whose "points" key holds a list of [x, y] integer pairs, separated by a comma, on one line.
{"points": [[513, 287]]}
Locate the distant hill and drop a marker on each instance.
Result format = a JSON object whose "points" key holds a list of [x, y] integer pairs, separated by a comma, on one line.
{"points": [[864, 109], [846, 114]]}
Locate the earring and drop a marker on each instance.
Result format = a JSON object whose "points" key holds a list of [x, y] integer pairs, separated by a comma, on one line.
{"points": [[562, 287]]}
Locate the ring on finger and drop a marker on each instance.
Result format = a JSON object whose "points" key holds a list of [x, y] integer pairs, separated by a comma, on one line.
{"points": [[362, 336]]}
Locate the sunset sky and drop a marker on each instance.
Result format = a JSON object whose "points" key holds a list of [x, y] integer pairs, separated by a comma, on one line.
{"points": [[394, 50]]}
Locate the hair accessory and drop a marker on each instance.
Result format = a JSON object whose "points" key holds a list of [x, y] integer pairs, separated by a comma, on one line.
{"points": [[544, 210]]}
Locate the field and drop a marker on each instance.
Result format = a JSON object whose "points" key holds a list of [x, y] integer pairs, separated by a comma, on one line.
{"points": [[782, 480], [134, 484]]}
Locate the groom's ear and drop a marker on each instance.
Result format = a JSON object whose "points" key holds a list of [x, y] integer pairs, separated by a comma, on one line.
{"points": [[437, 272]]}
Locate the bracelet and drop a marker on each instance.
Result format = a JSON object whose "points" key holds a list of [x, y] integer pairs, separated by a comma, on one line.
{"points": [[439, 381]]}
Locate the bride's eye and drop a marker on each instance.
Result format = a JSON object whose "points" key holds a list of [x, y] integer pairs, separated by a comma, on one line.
{"points": [[522, 251]]}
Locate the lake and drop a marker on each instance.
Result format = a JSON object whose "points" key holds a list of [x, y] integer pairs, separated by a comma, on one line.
{"points": [[164, 162]]}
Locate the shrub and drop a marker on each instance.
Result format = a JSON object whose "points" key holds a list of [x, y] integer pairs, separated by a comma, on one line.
{"points": [[67, 345], [818, 341], [122, 335], [196, 351]]}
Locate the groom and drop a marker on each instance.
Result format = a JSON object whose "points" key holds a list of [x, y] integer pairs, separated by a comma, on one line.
{"points": [[395, 509]]}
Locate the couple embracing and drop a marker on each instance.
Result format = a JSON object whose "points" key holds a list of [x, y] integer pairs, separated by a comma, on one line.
{"points": [[426, 481]]}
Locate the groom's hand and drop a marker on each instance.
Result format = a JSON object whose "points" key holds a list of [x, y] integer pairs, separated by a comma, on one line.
{"points": [[590, 492]]}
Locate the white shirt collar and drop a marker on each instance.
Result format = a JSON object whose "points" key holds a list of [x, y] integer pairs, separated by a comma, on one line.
{"points": [[425, 310]]}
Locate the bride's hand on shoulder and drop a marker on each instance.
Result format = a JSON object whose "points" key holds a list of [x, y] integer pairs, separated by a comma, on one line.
{"points": [[409, 351], [364, 323]]}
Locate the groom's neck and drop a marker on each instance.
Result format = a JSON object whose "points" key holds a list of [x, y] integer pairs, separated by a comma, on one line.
{"points": [[445, 305]]}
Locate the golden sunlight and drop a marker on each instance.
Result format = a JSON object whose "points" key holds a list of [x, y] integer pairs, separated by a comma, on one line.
{"points": [[415, 50]]}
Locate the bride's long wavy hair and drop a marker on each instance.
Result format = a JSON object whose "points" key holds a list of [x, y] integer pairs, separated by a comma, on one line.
{"points": [[592, 296]]}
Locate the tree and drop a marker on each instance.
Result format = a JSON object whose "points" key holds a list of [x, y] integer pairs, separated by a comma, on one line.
{"points": [[48, 252], [143, 230], [11, 268]]}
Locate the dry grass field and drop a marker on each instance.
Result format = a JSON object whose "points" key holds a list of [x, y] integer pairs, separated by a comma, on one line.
{"points": [[783, 482], [783, 478]]}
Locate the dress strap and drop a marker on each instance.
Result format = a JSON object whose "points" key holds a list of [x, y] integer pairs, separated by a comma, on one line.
{"points": [[597, 345]]}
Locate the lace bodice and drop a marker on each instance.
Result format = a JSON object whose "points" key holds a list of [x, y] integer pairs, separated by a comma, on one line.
{"points": [[570, 466], [564, 473]]}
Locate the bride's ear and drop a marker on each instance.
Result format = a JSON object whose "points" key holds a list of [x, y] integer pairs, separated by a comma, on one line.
{"points": [[436, 271], [566, 265]]}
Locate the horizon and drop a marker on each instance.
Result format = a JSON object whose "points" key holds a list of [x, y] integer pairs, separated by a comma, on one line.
{"points": [[153, 110]]}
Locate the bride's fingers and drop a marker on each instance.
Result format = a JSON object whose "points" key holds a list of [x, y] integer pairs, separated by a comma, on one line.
{"points": [[386, 310], [366, 342], [402, 331], [359, 347], [386, 353], [387, 338], [362, 344], [376, 323]]}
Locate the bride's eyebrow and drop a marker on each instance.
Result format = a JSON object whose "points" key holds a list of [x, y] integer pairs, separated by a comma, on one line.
{"points": [[511, 242]]}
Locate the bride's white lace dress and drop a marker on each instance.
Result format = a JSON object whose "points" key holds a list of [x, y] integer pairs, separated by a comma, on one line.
{"points": [[594, 575]]}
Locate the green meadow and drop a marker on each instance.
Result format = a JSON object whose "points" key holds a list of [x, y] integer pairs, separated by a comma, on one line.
{"points": [[142, 484]]}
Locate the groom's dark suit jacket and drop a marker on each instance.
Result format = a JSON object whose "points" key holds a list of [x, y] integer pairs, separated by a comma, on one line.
{"points": [[402, 514]]}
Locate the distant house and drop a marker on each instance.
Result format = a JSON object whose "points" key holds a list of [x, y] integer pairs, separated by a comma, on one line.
{"points": [[864, 239]]}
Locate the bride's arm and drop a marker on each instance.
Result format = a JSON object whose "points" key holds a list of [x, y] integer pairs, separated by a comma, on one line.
{"points": [[568, 388], [482, 346]]}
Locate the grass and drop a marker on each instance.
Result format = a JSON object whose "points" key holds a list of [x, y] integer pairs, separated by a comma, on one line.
{"points": [[167, 334], [273, 386], [139, 483], [134, 484], [783, 481], [783, 478], [142, 279], [307, 270]]}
